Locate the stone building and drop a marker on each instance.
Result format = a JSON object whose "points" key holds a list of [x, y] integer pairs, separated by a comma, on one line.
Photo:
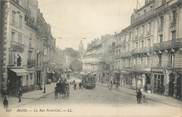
{"points": [[1, 47], [22, 43], [148, 52], [97, 58]]}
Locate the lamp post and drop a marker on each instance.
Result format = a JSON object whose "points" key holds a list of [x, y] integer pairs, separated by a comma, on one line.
{"points": [[45, 69]]}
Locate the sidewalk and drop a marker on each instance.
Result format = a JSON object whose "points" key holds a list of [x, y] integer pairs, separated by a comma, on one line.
{"points": [[29, 97], [150, 96]]}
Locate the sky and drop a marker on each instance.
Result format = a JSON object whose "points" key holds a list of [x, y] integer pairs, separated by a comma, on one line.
{"points": [[75, 20]]}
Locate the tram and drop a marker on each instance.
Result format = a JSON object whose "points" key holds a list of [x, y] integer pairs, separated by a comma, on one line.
{"points": [[89, 81]]}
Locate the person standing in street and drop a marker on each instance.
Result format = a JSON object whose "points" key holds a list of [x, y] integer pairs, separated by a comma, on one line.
{"points": [[19, 94], [5, 102], [74, 84], [80, 85]]}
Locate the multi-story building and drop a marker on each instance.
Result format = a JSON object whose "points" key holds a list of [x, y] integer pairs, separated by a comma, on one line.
{"points": [[1, 47], [97, 58], [22, 44], [148, 52], [45, 50]]}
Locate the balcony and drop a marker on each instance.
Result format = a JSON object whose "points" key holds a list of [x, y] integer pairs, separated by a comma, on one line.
{"points": [[141, 50], [163, 45], [17, 46], [31, 63], [175, 43]]}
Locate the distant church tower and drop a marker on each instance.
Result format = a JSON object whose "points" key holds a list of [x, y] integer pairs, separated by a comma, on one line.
{"points": [[81, 49]]}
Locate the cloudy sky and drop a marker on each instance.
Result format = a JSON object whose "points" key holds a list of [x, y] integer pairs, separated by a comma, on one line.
{"points": [[73, 20]]}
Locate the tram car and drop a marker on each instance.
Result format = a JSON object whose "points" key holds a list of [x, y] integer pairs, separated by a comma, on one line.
{"points": [[89, 81]]}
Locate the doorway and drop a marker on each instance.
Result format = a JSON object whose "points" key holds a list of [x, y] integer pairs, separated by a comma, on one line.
{"points": [[171, 84], [179, 87]]}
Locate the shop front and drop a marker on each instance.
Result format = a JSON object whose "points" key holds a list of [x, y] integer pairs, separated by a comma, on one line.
{"points": [[179, 87], [125, 79], [159, 81], [141, 79], [16, 79], [175, 85]]}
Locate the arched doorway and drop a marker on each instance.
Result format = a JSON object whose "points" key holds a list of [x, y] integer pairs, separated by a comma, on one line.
{"points": [[171, 84], [179, 87]]}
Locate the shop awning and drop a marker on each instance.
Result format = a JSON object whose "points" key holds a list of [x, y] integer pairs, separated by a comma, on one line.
{"points": [[20, 72]]}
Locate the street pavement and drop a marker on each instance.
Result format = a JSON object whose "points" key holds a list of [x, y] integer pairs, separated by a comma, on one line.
{"points": [[29, 97], [96, 103]]}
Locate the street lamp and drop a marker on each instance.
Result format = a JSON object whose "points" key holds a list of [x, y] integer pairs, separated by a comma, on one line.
{"points": [[45, 69]]}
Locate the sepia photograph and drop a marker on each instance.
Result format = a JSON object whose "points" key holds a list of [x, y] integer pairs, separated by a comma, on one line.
{"points": [[90, 58]]}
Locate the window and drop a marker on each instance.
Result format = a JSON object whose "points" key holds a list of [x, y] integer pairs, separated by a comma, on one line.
{"points": [[171, 59], [136, 44], [150, 26], [161, 38], [13, 36], [19, 38], [160, 59], [174, 16], [143, 29], [20, 21], [161, 23], [13, 18], [142, 44], [173, 35], [148, 61], [149, 43]]}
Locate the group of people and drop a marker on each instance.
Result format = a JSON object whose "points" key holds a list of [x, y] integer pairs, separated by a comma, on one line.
{"points": [[62, 88], [112, 82], [75, 85]]}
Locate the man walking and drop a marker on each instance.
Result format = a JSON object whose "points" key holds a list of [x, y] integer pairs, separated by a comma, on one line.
{"points": [[5, 102], [139, 96]]}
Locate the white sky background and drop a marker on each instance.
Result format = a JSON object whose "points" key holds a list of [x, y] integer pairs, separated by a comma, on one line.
{"points": [[73, 20]]}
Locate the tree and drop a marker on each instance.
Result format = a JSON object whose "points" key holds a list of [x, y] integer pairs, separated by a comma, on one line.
{"points": [[76, 65]]}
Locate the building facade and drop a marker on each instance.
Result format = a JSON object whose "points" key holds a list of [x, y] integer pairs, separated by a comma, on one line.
{"points": [[97, 58], [148, 52], [22, 44], [1, 49]]}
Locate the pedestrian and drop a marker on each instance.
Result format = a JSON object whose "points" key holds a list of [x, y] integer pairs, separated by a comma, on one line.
{"points": [[139, 96], [5, 102], [56, 92], [19, 94], [74, 85], [80, 85]]}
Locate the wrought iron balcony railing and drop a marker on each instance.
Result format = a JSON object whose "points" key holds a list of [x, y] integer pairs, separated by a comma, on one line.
{"points": [[171, 44]]}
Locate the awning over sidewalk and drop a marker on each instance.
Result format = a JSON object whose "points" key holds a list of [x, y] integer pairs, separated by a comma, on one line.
{"points": [[20, 72]]}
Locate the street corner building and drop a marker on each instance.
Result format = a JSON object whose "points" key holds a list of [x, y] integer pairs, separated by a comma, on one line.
{"points": [[27, 46], [148, 53]]}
